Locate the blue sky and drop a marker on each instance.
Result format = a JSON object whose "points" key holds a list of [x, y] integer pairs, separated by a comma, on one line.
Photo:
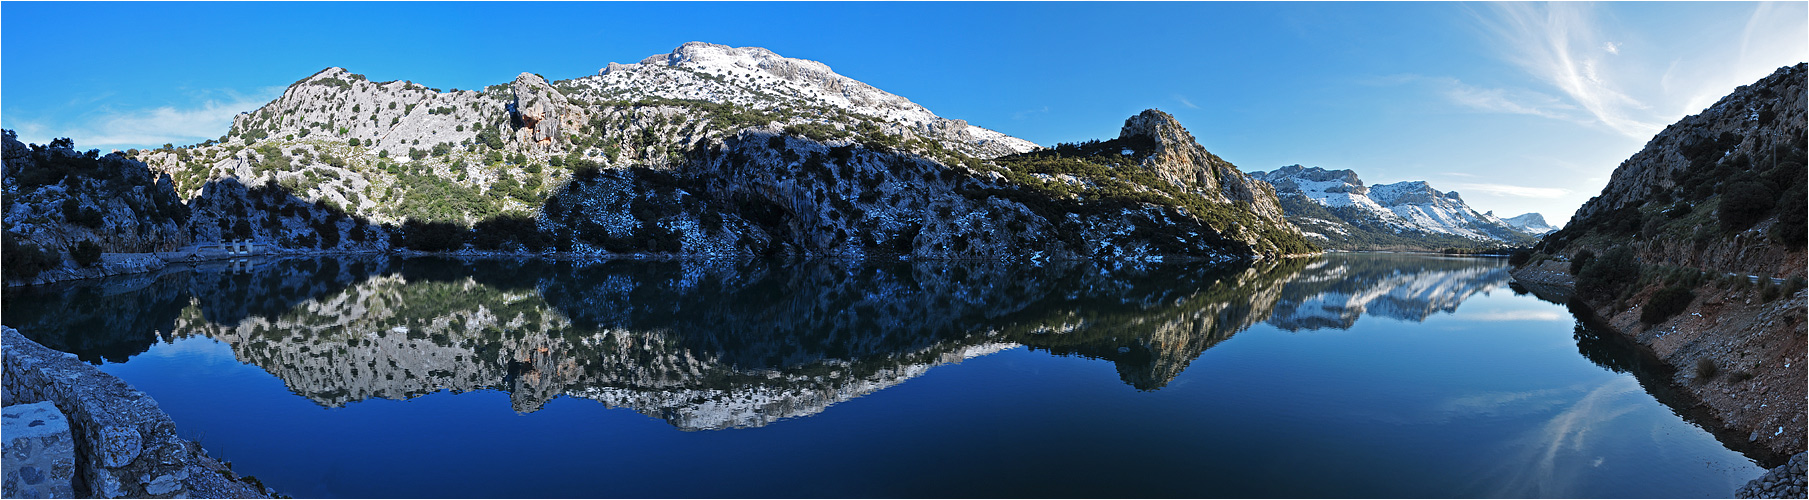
{"points": [[1520, 107]]}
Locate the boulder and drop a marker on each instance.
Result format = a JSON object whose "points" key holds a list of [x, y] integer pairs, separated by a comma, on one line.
{"points": [[39, 452]]}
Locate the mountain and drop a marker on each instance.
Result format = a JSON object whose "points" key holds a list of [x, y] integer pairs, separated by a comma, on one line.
{"points": [[1530, 223], [1679, 251], [707, 150], [1335, 207], [1333, 293], [1719, 190], [701, 344]]}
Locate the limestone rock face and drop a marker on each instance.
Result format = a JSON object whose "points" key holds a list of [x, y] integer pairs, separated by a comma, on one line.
{"points": [[58, 197], [539, 110], [1667, 200], [1180, 160], [40, 452], [1658, 166]]}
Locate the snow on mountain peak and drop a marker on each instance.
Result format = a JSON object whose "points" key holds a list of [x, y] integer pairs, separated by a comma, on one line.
{"points": [[759, 78], [1530, 222], [1402, 206]]}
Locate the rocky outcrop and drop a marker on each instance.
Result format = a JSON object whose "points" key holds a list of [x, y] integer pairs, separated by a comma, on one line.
{"points": [[1177, 158], [539, 111], [125, 446], [1723, 190], [57, 197], [1783, 481], [1762, 116], [765, 193]]}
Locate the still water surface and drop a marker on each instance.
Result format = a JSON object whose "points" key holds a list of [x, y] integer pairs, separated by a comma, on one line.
{"points": [[1350, 375]]}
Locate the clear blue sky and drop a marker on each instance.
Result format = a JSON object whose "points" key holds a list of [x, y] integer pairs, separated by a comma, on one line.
{"points": [[1521, 107]]}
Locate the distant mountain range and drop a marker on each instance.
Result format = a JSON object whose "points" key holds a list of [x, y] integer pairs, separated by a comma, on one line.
{"points": [[1532, 223], [1335, 207]]}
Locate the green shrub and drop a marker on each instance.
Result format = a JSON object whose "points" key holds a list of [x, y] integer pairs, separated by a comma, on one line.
{"points": [[75, 213], [1665, 304], [86, 253], [433, 236], [1744, 204], [25, 260], [1520, 257], [1581, 259], [1792, 228], [1605, 277], [1706, 368], [502, 231], [1769, 290]]}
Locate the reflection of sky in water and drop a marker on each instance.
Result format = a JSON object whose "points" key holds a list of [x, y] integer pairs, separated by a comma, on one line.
{"points": [[1547, 465], [1132, 385]]}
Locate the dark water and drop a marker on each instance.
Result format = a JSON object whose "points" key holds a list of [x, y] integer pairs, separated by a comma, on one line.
{"points": [[1343, 376]]}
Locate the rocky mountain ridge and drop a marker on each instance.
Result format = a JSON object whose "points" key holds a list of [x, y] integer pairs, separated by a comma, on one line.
{"points": [[709, 150], [1335, 206], [1721, 190], [1531, 223]]}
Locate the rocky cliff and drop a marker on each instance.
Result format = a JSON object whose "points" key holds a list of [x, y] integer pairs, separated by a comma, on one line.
{"points": [[708, 150], [1680, 250], [1336, 208], [1722, 190]]}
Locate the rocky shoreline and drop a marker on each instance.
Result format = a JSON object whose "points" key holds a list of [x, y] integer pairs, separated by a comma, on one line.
{"points": [[1783, 481], [1740, 358], [124, 444]]}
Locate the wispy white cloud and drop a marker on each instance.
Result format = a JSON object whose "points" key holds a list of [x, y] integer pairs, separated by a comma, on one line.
{"points": [[1185, 102], [1030, 112], [1545, 467], [1516, 316], [1559, 43], [1635, 82], [1512, 190], [108, 127], [1511, 101]]}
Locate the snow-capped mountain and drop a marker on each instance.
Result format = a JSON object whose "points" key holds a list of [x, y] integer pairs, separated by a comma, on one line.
{"points": [[758, 78], [1532, 223], [1336, 206], [1334, 292]]}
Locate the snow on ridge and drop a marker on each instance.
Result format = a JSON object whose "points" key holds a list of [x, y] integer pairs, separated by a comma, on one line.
{"points": [[1406, 205], [1531, 222], [759, 78]]}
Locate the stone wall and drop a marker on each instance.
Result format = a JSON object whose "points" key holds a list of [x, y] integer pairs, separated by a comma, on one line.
{"points": [[125, 445], [40, 452]]}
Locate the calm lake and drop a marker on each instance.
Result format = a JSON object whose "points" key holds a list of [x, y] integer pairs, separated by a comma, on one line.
{"points": [[1349, 375]]}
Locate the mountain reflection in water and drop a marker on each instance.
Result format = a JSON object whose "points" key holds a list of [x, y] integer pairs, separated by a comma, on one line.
{"points": [[715, 344]]}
